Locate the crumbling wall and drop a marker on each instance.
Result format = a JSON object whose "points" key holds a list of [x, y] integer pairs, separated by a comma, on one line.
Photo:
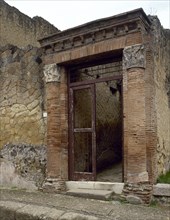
{"points": [[161, 47], [18, 29], [22, 166], [22, 96]]}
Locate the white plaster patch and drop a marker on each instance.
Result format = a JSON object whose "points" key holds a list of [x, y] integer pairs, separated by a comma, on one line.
{"points": [[52, 73], [9, 177]]}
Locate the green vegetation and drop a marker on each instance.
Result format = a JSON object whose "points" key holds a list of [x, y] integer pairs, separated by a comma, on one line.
{"points": [[164, 178], [153, 203]]}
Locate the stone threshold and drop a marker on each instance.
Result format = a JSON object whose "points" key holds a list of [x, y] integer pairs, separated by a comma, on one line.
{"points": [[91, 193], [116, 187], [94, 190]]}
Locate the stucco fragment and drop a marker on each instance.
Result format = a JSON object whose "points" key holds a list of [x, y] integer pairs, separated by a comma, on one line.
{"points": [[52, 73], [134, 56]]}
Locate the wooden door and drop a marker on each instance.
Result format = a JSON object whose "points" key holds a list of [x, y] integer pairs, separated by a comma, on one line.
{"points": [[82, 147]]}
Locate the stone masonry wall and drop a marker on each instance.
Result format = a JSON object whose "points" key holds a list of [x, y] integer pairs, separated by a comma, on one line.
{"points": [[162, 85], [22, 96], [18, 29]]}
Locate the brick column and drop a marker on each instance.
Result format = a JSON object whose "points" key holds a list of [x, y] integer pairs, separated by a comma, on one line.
{"points": [[134, 114], [56, 104]]}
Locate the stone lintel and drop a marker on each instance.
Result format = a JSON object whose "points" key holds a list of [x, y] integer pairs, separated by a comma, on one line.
{"points": [[52, 73], [134, 57]]}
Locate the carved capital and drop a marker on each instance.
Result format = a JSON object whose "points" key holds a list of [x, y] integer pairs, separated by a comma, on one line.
{"points": [[52, 73], [134, 56]]}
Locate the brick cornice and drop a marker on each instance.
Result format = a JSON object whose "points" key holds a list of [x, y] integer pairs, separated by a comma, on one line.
{"points": [[96, 31]]}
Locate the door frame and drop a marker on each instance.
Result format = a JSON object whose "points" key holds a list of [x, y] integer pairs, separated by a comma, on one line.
{"points": [[80, 85]]}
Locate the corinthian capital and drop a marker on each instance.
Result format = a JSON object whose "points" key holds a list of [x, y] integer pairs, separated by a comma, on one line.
{"points": [[52, 73], [134, 56]]}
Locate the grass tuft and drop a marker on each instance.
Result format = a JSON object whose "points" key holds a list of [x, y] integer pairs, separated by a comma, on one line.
{"points": [[164, 178]]}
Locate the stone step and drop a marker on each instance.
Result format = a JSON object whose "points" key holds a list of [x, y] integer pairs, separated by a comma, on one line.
{"points": [[91, 193], [161, 189], [92, 185]]}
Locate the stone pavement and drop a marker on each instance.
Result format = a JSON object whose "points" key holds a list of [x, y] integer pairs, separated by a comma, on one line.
{"points": [[24, 205]]}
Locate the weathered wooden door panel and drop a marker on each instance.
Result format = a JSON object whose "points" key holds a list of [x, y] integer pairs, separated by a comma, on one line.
{"points": [[82, 133]]}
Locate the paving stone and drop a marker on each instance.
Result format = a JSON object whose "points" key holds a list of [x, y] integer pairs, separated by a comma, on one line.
{"points": [[8, 209], [53, 214], [31, 212], [76, 216]]}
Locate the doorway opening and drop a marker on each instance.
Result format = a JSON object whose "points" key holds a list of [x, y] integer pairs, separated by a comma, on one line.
{"points": [[95, 122]]}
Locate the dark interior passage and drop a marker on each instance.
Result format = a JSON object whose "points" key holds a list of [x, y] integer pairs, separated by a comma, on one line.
{"points": [[109, 131]]}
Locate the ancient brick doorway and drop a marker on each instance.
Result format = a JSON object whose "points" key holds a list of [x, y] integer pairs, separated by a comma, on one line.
{"points": [[95, 122]]}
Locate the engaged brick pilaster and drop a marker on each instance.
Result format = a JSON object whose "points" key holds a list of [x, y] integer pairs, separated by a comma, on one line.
{"points": [[56, 92], [134, 114]]}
